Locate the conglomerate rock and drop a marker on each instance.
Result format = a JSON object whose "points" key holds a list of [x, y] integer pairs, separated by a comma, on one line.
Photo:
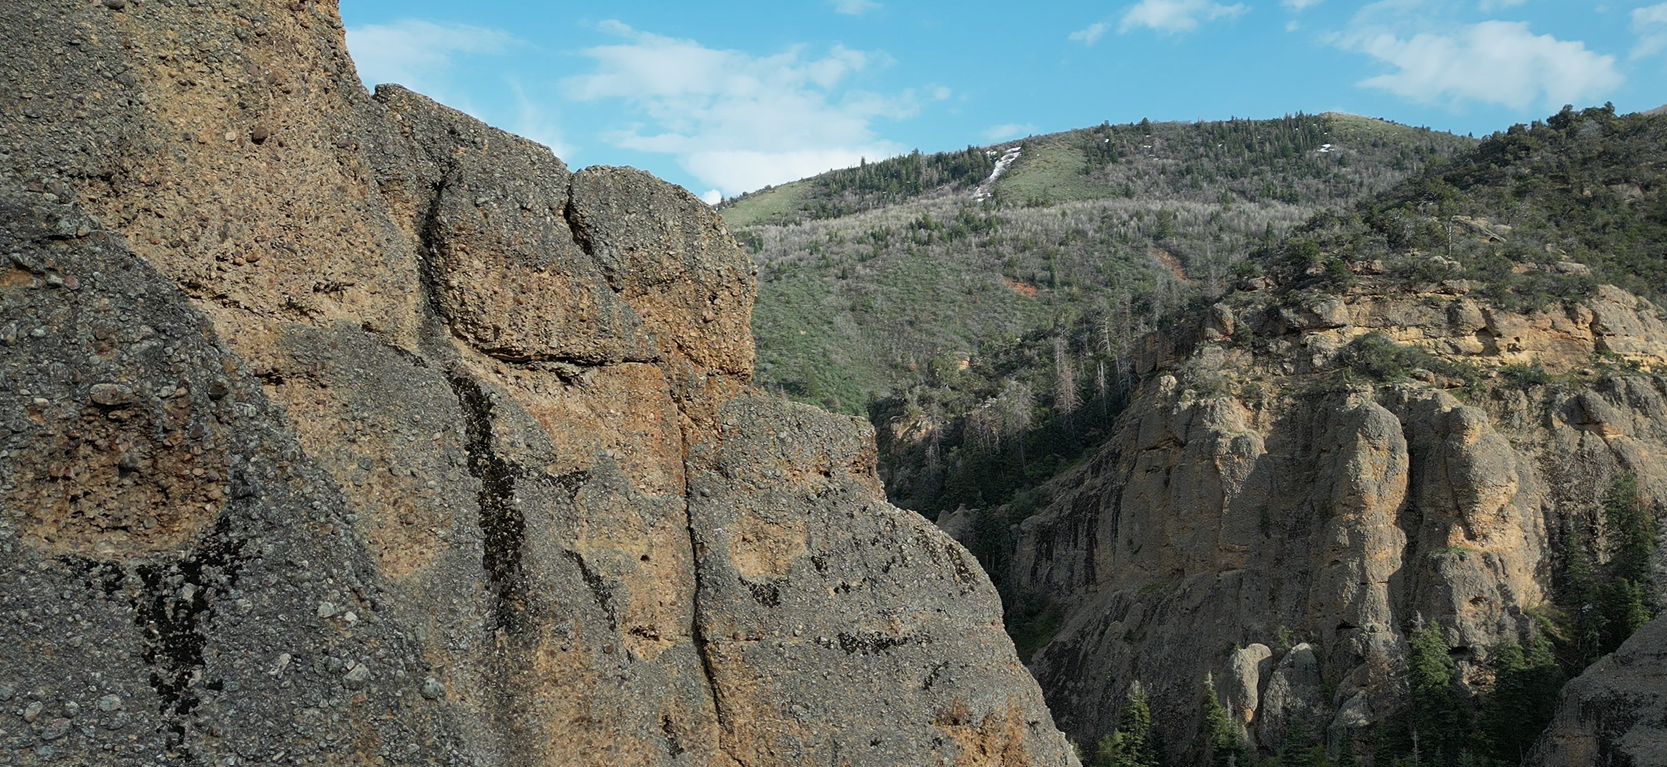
{"points": [[343, 429]]}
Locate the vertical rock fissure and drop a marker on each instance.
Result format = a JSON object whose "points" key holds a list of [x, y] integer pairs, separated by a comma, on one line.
{"points": [[428, 244], [502, 525], [703, 648], [585, 245]]}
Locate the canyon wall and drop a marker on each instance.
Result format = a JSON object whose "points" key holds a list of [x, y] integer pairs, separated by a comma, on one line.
{"points": [[345, 429], [1267, 525]]}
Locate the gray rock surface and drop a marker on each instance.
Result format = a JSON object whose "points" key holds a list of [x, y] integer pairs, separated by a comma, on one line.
{"points": [[1615, 714], [1238, 504], [341, 429]]}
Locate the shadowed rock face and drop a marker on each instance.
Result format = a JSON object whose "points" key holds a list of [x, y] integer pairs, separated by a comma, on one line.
{"points": [[1615, 714], [1282, 539], [343, 429]]}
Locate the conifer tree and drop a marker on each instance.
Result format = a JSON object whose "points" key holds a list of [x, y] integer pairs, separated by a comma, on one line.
{"points": [[1627, 599], [1345, 754], [1437, 718], [1133, 743], [1527, 682], [1581, 594], [1222, 744], [1633, 527]]}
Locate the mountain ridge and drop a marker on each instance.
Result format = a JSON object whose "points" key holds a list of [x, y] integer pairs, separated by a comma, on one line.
{"points": [[775, 204], [1399, 440]]}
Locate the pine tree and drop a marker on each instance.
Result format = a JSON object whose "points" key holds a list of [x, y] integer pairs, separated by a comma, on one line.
{"points": [[1633, 528], [1581, 594], [1437, 718], [1133, 743], [1345, 753], [1627, 601], [1527, 682], [1222, 743]]}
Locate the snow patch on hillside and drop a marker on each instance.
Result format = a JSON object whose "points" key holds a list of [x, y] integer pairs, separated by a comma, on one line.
{"points": [[984, 190]]}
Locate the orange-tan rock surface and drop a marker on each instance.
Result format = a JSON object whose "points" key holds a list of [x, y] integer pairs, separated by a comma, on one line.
{"points": [[342, 429], [1264, 521]]}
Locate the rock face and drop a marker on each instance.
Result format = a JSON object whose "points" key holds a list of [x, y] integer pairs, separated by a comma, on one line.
{"points": [[1246, 525], [1613, 715], [343, 429]]}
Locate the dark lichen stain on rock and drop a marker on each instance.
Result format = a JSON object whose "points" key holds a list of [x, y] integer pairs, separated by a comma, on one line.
{"points": [[313, 399]]}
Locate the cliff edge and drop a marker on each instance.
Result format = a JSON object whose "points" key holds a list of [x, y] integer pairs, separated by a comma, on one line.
{"points": [[1306, 478], [345, 429]]}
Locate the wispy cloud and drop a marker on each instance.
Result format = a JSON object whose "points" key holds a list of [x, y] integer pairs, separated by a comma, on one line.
{"points": [[1494, 5], [1177, 16], [1298, 5], [1493, 62], [1004, 132], [737, 121], [1651, 25], [1088, 35], [419, 54], [854, 7], [533, 121]]}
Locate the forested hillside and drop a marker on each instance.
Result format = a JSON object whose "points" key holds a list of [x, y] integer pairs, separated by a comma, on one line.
{"points": [[919, 292], [1431, 391], [1538, 213], [999, 333]]}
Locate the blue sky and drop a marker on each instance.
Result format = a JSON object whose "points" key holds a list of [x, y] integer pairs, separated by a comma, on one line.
{"points": [[727, 97]]}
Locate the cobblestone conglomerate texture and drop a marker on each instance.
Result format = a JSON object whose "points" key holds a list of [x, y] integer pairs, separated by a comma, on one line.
{"points": [[341, 429]]}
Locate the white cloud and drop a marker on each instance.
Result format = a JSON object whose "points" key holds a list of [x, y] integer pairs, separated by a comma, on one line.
{"points": [[712, 197], [736, 121], [1176, 16], [854, 7], [1651, 25], [421, 55], [1298, 5], [531, 121], [1494, 62], [1494, 5], [941, 93], [1003, 132], [418, 54], [1088, 35]]}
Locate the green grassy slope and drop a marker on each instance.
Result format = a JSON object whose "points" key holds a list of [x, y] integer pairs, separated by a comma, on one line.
{"points": [[871, 274], [1252, 160], [913, 291]]}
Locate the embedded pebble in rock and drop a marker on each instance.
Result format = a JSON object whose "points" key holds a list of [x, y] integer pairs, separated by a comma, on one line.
{"points": [[112, 395], [55, 729], [309, 425], [357, 677], [33, 711]]}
